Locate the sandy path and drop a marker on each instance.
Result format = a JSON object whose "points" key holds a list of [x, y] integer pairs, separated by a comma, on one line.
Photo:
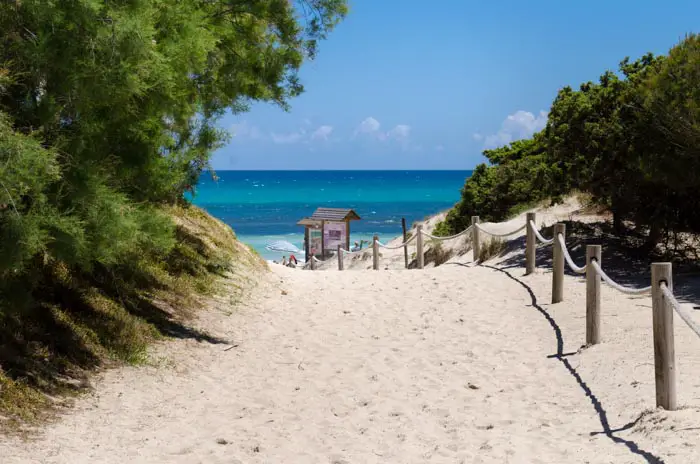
{"points": [[451, 364]]}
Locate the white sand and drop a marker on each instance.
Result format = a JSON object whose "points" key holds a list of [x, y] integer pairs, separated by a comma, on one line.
{"points": [[450, 364]]}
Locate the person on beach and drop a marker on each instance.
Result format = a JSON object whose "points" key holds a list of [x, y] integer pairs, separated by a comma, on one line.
{"points": [[284, 260], [293, 260]]}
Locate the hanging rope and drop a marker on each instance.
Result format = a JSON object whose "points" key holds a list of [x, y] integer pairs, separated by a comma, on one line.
{"points": [[567, 256], [381, 245], [615, 285], [539, 236], [364, 250], [450, 237], [682, 312], [478, 226]]}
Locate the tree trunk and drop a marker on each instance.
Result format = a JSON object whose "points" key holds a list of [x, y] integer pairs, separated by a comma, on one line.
{"points": [[618, 226], [655, 232]]}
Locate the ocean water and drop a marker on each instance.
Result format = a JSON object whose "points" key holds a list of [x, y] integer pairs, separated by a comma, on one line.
{"points": [[263, 206]]}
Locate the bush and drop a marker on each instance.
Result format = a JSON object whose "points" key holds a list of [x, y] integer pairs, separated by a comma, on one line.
{"points": [[491, 249], [520, 175]]}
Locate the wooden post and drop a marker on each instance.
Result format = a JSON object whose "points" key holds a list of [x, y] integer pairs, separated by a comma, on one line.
{"points": [[664, 351], [405, 247], [475, 238], [593, 253], [375, 253], [323, 239], [558, 265], [341, 265], [530, 244], [313, 262], [419, 247]]}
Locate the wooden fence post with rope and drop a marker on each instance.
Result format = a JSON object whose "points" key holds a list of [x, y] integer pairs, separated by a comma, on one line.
{"points": [[593, 253], [375, 253], [530, 244], [664, 350], [405, 247], [475, 238], [558, 265]]}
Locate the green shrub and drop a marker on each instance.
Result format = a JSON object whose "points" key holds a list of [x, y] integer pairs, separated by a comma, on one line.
{"points": [[520, 175]]}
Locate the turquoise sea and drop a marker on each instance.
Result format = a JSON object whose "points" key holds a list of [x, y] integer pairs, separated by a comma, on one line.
{"points": [[263, 206]]}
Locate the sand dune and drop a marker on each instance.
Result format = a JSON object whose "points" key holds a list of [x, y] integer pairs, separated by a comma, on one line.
{"points": [[458, 363]]}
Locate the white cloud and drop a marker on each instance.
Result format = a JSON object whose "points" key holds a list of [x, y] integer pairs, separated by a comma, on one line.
{"points": [[369, 126], [245, 130], [519, 125], [439, 148], [322, 133], [400, 132], [291, 137]]}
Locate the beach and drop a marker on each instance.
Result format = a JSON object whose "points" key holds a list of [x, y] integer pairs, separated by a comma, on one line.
{"points": [[458, 363], [265, 206]]}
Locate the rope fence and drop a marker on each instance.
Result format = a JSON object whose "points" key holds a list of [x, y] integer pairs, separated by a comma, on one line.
{"points": [[449, 237], [539, 236], [401, 245], [494, 234], [620, 288], [680, 309], [664, 303], [568, 258]]}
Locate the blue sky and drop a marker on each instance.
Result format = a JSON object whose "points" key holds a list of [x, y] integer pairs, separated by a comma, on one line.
{"points": [[416, 85]]}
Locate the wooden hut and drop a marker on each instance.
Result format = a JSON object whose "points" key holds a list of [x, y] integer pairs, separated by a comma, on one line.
{"points": [[326, 229]]}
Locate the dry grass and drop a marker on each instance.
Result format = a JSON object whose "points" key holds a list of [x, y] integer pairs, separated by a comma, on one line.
{"points": [[438, 254], [491, 249], [77, 324]]}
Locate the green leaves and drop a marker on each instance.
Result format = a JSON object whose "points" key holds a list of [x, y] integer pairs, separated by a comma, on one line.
{"points": [[519, 176], [631, 140], [109, 108]]}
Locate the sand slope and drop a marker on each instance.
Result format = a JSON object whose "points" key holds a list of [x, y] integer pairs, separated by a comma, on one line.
{"points": [[452, 364]]}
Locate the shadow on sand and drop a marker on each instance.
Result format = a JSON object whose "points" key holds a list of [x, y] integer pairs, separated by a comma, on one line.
{"points": [[622, 258], [562, 357]]}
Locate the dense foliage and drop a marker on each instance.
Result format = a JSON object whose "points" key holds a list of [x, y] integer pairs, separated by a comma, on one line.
{"points": [[518, 176], [122, 99], [108, 112], [630, 140]]}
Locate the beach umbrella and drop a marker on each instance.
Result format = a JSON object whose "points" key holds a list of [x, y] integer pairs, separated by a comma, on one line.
{"points": [[282, 246]]}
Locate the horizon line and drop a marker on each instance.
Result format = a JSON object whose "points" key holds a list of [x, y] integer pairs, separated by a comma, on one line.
{"points": [[342, 170]]}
